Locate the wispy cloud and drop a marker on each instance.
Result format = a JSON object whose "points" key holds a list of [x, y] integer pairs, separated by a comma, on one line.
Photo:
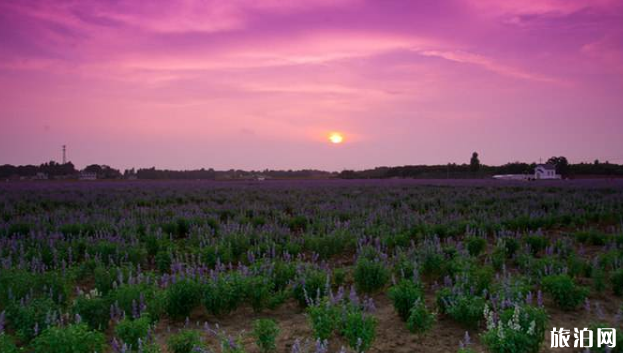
{"points": [[488, 64]]}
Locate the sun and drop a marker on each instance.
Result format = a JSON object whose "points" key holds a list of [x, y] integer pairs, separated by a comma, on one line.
{"points": [[336, 138]]}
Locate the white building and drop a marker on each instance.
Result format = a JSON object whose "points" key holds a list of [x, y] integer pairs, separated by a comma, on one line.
{"points": [[88, 176], [545, 171], [41, 176], [541, 172]]}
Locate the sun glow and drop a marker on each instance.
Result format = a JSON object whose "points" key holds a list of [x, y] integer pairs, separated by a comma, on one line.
{"points": [[336, 138]]}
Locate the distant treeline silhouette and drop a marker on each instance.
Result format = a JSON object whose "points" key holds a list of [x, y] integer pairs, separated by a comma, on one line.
{"points": [[474, 169], [53, 170]]}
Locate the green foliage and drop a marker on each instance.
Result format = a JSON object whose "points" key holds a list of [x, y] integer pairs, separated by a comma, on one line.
{"points": [[265, 332], [225, 294], [519, 330], [184, 341], [259, 291], [103, 279], [476, 245], [466, 350], [591, 237], [599, 279], [537, 243], [7, 345], [71, 339], [343, 317], [298, 224], [95, 311], [498, 257], [359, 329], [511, 245], [464, 308], [163, 261], [130, 331], [310, 283], [127, 296], [231, 345], [339, 277], [617, 281], [370, 275], [420, 319], [564, 291], [324, 319], [182, 297], [480, 278], [24, 318], [404, 295]]}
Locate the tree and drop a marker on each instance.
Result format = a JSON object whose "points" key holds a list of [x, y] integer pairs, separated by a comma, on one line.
{"points": [[474, 163], [561, 163]]}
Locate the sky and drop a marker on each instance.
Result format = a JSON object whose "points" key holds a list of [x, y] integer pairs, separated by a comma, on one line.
{"points": [[256, 84]]}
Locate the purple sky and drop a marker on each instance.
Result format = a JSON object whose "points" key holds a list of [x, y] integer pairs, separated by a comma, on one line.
{"points": [[262, 84]]}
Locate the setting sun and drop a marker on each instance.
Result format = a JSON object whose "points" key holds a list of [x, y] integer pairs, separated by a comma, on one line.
{"points": [[336, 138]]}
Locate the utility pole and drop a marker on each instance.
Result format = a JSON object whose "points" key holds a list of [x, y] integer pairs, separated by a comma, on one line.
{"points": [[64, 154]]}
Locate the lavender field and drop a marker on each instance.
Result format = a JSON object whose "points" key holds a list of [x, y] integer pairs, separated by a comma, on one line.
{"points": [[308, 266]]}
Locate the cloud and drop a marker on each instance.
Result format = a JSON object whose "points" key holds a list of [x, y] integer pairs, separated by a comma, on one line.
{"points": [[607, 50], [541, 7], [163, 16], [488, 64]]}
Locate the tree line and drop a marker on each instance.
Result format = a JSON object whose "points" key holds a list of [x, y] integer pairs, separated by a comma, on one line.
{"points": [[477, 170], [473, 169]]}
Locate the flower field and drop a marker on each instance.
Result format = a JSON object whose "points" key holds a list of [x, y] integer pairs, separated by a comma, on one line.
{"points": [[308, 266]]}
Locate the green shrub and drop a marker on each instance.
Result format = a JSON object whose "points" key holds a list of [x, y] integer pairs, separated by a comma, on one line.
{"points": [[498, 258], [184, 342], [163, 261], [359, 329], [128, 296], [536, 243], [130, 331], [231, 345], [71, 339], [617, 281], [339, 277], [370, 275], [324, 319], [519, 330], [464, 308], [431, 263], [265, 332], [592, 237], [564, 291], [298, 224], [404, 295], [282, 274], [7, 345], [476, 245], [24, 318], [420, 319], [480, 278], [94, 311], [182, 297], [511, 245], [309, 284], [103, 279], [599, 279], [259, 291], [226, 293]]}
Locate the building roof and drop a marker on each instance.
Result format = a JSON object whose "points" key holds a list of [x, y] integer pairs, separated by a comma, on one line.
{"points": [[547, 166]]}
